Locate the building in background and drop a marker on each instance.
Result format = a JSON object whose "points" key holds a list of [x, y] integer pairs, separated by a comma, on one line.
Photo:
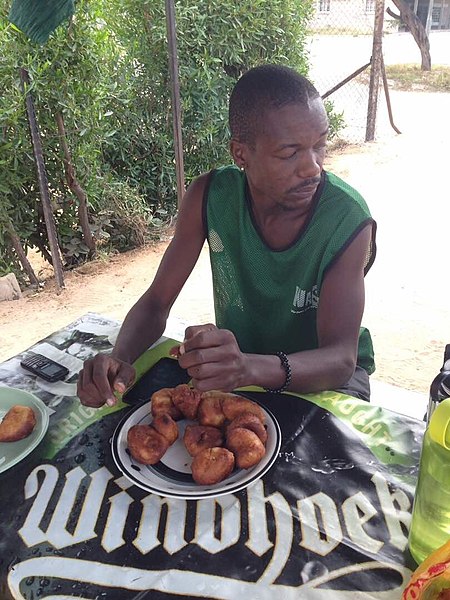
{"points": [[353, 17], [335, 17], [437, 11]]}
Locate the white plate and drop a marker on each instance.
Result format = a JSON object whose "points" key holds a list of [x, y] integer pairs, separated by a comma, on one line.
{"points": [[13, 452], [171, 477]]}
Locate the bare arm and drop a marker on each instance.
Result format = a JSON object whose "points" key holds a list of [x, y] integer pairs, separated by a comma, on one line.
{"points": [[214, 360], [146, 320], [340, 311]]}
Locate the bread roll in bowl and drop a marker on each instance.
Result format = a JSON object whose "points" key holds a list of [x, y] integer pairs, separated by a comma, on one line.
{"points": [[17, 424]]}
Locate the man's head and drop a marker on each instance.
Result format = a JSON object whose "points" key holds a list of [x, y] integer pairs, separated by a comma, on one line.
{"points": [[279, 129], [261, 89]]}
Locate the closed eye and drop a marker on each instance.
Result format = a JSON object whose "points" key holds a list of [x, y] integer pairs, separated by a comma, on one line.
{"points": [[288, 156]]}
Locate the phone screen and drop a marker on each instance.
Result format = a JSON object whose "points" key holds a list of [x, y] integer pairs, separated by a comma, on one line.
{"points": [[165, 373], [51, 370]]}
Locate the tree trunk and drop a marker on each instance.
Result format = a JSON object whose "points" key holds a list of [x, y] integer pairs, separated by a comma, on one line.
{"points": [[75, 186], [15, 240], [43, 181], [417, 29]]}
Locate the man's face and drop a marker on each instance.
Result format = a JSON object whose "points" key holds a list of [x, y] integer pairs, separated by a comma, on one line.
{"points": [[284, 165]]}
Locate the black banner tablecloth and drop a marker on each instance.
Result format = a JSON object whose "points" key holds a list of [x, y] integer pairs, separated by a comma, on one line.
{"points": [[330, 519]]}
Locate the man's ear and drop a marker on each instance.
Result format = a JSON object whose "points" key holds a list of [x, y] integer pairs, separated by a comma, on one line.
{"points": [[238, 152]]}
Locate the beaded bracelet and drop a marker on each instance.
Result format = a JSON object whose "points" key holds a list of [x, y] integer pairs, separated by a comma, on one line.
{"points": [[287, 367]]}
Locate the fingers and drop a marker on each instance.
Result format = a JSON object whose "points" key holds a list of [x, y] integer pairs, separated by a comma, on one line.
{"points": [[202, 336], [193, 337], [124, 377], [211, 356], [100, 377], [175, 351], [214, 383], [212, 359], [215, 375], [86, 390], [103, 376], [202, 359], [197, 333]]}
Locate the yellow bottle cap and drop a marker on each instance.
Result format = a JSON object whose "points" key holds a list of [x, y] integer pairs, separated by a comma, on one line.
{"points": [[439, 427]]}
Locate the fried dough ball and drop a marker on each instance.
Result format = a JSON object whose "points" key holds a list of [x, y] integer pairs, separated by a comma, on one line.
{"points": [[166, 426], [17, 424], [249, 421], [162, 404], [210, 409], [186, 400], [212, 465], [233, 406], [199, 437], [246, 447], [146, 445]]}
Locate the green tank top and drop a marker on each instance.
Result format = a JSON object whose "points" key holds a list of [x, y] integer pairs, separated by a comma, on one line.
{"points": [[268, 298]]}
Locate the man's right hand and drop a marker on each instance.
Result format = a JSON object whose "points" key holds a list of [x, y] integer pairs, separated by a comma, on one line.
{"points": [[100, 377]]}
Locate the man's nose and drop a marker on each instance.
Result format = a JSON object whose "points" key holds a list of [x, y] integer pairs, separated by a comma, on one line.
{"points": [[308, 164]]}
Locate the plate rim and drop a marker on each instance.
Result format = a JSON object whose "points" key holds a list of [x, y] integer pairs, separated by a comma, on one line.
{"points": [[45, 419], [205, 494]]}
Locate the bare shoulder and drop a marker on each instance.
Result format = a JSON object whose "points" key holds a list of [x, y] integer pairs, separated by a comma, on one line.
{"points": [[349, 268], [190, 213], [195, 191], [189, 229], [357, 252], [184, 248]]}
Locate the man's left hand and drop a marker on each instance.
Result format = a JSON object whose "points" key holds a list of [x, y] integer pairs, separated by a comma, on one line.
{"points": [[212, 358]]}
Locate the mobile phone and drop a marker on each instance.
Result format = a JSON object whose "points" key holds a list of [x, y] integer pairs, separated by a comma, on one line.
{"points": [[165, 373], [44, 367]]}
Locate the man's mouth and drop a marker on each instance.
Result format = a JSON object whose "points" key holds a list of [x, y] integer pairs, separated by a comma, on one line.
{"points": [[307, 184]]}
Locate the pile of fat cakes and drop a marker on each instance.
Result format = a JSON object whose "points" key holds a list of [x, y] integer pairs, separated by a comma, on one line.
{"points": [[227, 431]]}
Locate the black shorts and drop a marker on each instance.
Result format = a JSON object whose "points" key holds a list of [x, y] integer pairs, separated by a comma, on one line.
{"points": [[358, 385]]}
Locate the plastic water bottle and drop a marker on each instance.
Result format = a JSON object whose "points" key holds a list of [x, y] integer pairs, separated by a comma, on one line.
{"points": [[440, 387], [430, 525]]}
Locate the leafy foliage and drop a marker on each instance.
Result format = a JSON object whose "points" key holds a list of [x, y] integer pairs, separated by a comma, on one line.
{"points": [[107, 73], [336, 120]]}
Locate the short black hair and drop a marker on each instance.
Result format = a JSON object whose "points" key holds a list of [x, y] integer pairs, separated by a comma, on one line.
{"points": [[262, 88]]}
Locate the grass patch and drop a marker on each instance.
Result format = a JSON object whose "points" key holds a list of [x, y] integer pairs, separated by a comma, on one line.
{"points": [[412, 78], [337, 146], [334, 30]]}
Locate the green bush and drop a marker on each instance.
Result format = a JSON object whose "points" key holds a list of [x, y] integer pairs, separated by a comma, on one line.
{"points": [[68, 75]]}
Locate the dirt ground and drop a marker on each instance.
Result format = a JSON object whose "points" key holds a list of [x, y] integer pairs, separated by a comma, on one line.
{"points": [[402, 177]]}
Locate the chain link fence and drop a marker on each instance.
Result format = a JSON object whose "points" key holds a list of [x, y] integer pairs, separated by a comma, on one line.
{"points": [[340, 49]]}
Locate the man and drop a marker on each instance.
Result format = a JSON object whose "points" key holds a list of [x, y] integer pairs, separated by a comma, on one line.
{"points": [[289, 247]]}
